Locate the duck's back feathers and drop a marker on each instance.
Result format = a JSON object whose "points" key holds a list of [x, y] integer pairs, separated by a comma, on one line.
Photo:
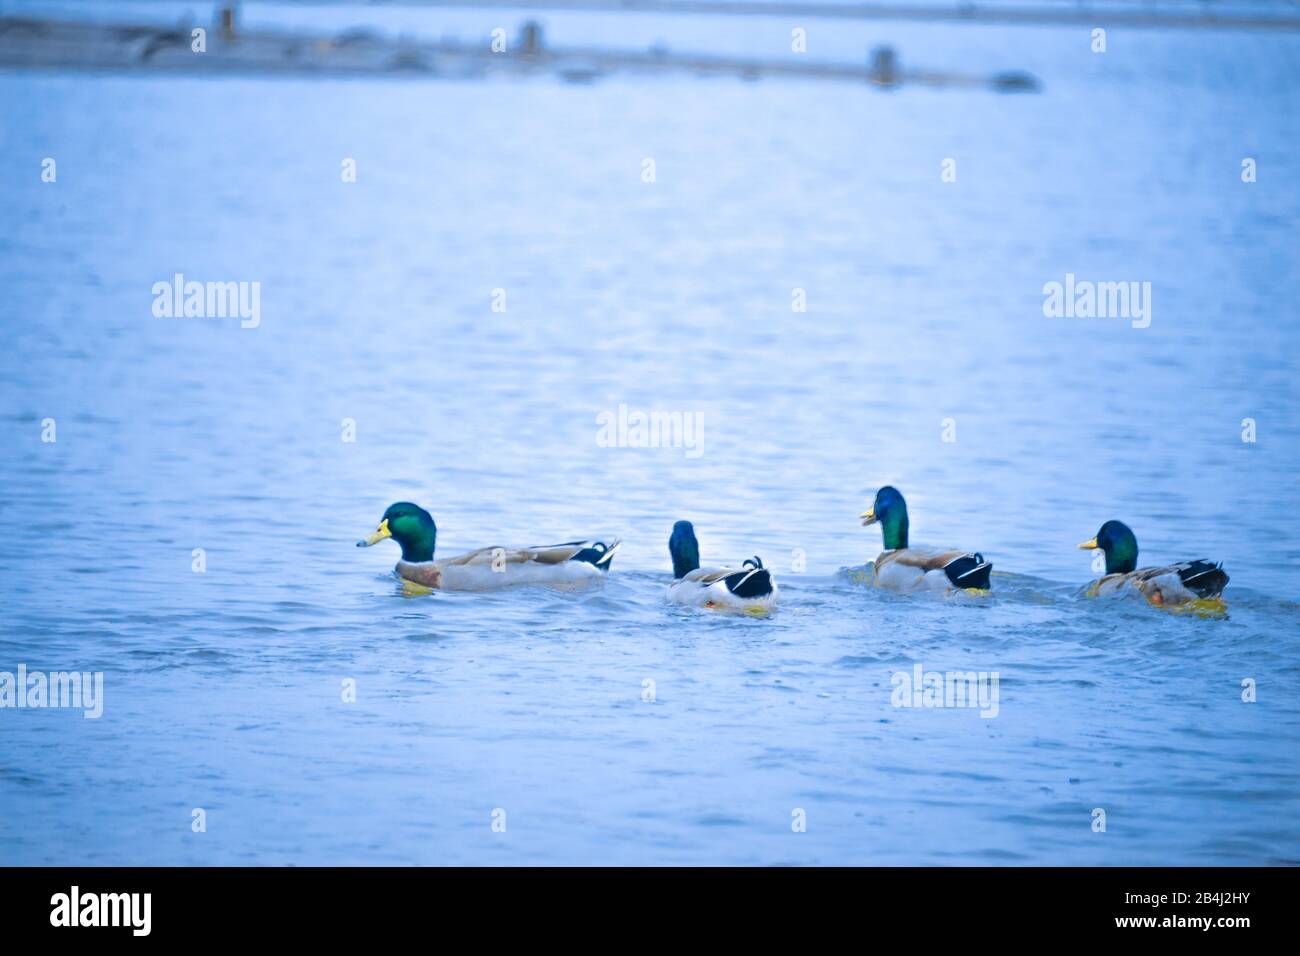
{"points": [[936, 569], [568, 566], [1172, 584], [596, 553]]}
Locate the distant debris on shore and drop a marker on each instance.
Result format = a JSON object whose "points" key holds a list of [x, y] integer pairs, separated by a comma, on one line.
{"points": [[227, 49], [1271, 15]]}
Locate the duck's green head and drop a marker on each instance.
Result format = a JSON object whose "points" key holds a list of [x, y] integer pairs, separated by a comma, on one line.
{"points": [[889, 510], [684, 549], [410, 526], [1119, 544]]}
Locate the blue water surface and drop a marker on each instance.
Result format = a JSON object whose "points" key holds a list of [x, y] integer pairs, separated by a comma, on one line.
{"points": [[609, 727]]}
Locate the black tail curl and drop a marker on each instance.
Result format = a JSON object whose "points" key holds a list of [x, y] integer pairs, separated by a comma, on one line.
{"points": [[599, 554], [754, 581], [1203, 578], [969, 571]]}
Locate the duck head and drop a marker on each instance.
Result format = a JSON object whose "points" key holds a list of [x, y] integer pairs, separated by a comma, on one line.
{"points": [[410, 526], [1119, 545], [889, 510], [684, 549]]}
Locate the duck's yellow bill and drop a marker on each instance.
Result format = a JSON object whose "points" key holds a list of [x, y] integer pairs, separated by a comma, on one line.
{"points": [[869, 516], [1089, 545], [380, 534]]}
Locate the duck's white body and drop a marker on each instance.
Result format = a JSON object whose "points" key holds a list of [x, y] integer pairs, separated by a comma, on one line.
{"points": [[918, 569], [707, 587], [491, 569]]}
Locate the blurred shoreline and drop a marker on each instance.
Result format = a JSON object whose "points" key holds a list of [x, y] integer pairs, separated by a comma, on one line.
{"points": [[225, 48], [1178, 14]]}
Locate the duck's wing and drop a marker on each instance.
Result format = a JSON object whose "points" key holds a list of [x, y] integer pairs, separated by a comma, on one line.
{"points": [[706, 576], [597, 553], [751, 579], [964, 569], [927, 559], [1187, 579], [567, 566]]}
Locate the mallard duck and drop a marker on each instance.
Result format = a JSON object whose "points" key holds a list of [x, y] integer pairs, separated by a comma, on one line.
{"points": [[573, 565], [904, 568], [1173, 584], [750, 587]]}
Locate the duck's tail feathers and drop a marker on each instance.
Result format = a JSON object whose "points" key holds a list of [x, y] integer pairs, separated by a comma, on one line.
{"points": [[599, 553], [751, 581], [969, 571], [1203, 578], [596, 553]]}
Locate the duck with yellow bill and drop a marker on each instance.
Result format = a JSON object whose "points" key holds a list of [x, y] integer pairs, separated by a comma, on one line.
{"points": [[1170, 585], [904, 567], [571, 566]]}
